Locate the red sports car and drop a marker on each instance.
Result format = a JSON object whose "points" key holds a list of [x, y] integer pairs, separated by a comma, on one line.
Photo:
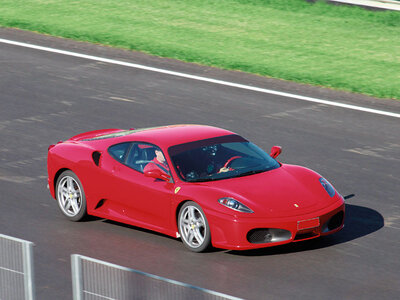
{"points": [[206, 185]]}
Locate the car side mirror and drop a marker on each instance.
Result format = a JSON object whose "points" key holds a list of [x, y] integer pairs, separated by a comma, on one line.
{"points": [[275, 151], [157, 174]]}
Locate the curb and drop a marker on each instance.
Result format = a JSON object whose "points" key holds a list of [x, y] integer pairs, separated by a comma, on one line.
{"points": [[375, 4]]}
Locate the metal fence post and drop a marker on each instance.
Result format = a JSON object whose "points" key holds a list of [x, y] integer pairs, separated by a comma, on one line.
{"points": [[77, 281], [29, 277], [16, 269]]}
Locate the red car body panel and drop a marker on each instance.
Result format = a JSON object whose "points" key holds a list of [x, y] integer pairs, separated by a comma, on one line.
{"points": [[280, 198]]}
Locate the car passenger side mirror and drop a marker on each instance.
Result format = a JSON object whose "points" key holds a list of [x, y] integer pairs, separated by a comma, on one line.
{"points": [[275, 151], [157, 174]]}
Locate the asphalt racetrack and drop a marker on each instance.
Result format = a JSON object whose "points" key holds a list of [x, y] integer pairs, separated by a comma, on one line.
{"points": [[47, 97]]}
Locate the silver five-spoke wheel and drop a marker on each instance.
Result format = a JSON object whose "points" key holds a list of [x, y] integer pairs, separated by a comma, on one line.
{"points": [[193, 227], [70, 196]]}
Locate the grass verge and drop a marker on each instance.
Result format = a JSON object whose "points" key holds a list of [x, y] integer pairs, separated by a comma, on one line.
{"points": [[342, 47]]}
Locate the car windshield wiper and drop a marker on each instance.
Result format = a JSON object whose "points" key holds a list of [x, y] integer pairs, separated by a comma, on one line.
{"points": [[251, 172], [204, 179], [220, 178]]}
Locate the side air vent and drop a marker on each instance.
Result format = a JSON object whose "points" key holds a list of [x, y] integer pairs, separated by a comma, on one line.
{"points": [[96, 157], [100, 204]]}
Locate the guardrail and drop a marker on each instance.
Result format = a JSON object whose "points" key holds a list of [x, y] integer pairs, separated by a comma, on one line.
{"points": [[91, 278], [96, 279], [16, 269], [374, 4]]}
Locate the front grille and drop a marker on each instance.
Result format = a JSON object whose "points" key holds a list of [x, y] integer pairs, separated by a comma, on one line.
{"points": [[306, 235], [268, 235]]}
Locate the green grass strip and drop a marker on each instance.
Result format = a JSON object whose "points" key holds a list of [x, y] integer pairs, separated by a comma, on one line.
{"points": [[342, 47]]}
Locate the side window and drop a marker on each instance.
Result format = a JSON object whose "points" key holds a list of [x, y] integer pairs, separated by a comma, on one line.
{"points": [[119, 151], [141, 155]]}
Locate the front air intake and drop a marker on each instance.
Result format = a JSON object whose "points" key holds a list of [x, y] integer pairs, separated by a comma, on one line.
{"points": [[334, 222], [305, 236], [268, 235]]}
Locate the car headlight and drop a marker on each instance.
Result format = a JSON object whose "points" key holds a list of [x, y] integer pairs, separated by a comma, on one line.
{"points": [[235, 205], [327, 186]]}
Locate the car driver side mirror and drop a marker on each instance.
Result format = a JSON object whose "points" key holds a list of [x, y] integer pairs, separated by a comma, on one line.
{"points": [[157, 174], [275, 151]]}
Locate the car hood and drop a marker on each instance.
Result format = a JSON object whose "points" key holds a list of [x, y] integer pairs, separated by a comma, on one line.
{"points": [[285, 191]]}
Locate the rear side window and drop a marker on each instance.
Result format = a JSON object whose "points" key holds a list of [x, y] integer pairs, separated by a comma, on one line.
{"points": [[140, 155], [135, 155], [119, 151]]}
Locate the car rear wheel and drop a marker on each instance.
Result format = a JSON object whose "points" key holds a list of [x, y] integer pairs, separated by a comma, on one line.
{"points": [[193, 227], [70, 196]]}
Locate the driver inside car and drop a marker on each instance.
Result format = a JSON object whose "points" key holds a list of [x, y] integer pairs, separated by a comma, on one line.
{"points": [[157, 162], [227, 166], [223, 170], [218, 164]]}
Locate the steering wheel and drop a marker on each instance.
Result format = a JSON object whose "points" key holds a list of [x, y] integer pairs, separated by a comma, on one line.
{"points": [[229, 161]]}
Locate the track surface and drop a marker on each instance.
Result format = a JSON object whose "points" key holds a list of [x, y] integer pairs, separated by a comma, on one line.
{"points": [[49, 97]]}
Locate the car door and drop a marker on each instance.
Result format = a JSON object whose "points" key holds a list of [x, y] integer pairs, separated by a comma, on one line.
{"points": [[144, 201]]}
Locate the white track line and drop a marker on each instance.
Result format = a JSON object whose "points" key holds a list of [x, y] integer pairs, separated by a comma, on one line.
{"points": [[221, 82]]}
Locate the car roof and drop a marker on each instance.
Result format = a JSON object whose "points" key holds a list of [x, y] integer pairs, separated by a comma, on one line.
{"points": [[164, 136]]}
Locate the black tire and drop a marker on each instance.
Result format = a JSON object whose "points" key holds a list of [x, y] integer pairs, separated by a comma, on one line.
{"points": [[193, 227], [70, 196]]}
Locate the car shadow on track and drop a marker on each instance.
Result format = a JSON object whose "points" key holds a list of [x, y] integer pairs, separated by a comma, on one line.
{"points": [[359, 221], [137, 228]]}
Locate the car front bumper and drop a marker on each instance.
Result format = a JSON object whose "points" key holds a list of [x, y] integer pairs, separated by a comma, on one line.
{"points": [[229, 232]]}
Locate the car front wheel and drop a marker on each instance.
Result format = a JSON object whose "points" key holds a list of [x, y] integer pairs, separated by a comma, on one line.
{"points": [[193, 227], [70, 196]]}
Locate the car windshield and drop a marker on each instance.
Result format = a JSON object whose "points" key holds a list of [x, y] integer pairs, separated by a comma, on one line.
{"points": [[219, 158]]}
